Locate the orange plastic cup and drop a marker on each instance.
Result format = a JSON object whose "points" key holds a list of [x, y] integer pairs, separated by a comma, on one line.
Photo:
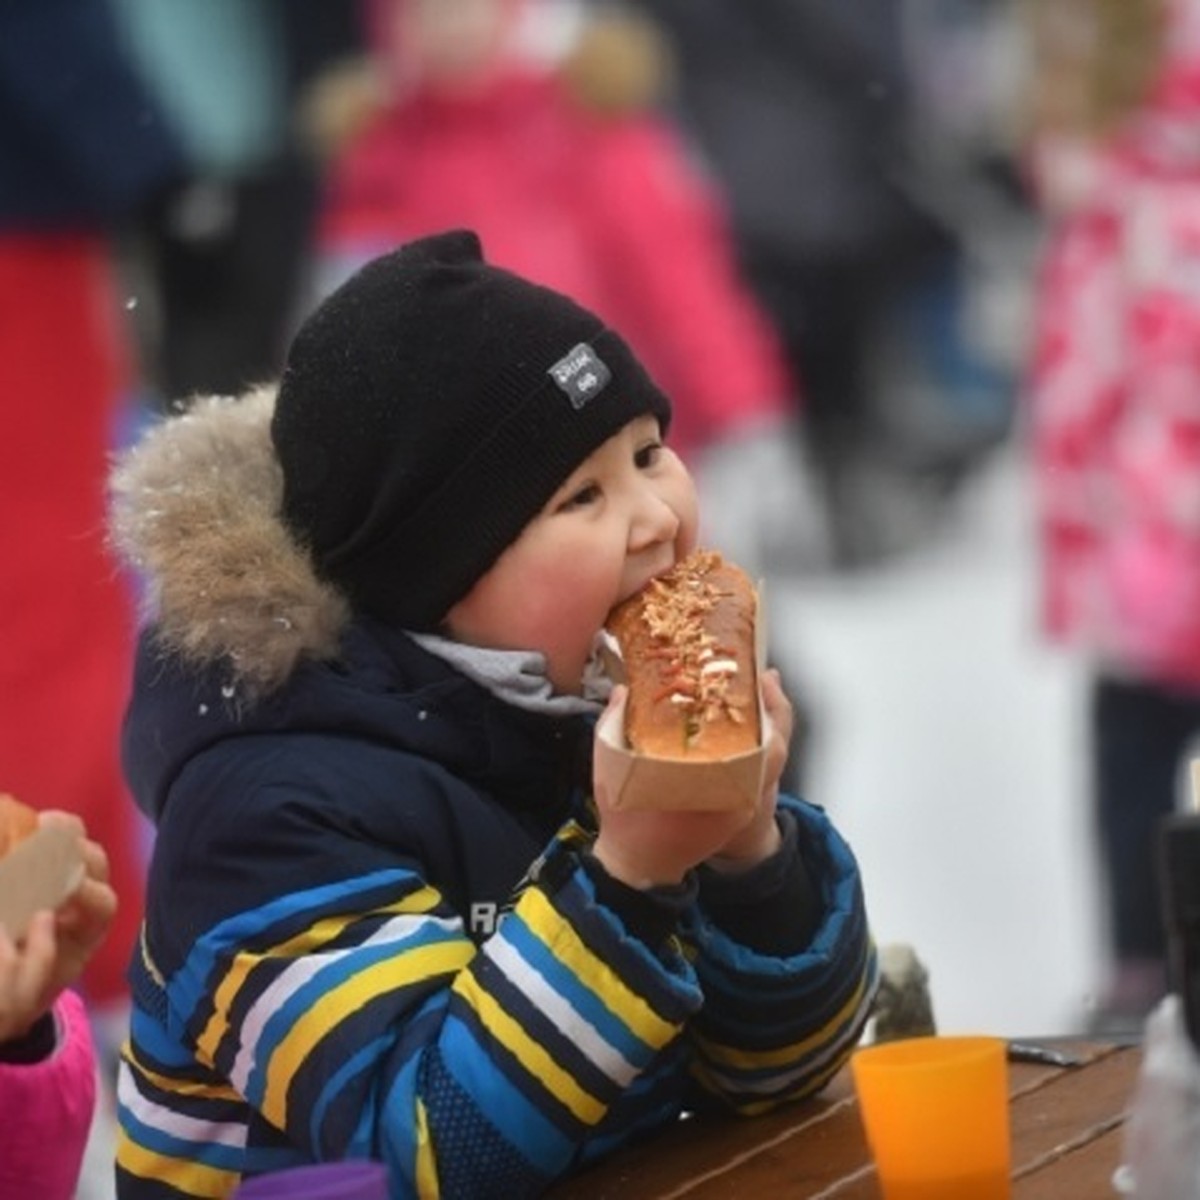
{"points": [[935, 1110]]}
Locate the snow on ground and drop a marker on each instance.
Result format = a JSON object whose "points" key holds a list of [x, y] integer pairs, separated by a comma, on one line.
{"points": [[947, 746]]}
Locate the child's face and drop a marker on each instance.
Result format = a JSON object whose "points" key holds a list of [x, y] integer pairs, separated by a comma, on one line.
{"points": [[626, 514], [451, 42]]}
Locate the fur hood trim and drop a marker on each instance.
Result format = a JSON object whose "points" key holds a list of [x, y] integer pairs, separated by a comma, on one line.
{"points": [[195, 511]]}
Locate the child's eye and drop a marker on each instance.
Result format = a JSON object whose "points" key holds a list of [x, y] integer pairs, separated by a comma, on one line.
{"points": [[647, 455], [580, 499]]}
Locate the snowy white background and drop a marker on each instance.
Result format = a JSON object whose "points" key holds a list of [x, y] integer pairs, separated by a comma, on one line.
{"points": [[948, 747]]}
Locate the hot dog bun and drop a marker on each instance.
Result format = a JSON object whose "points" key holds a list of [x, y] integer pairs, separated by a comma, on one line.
{"points": [[687, 644], [17, 822]]}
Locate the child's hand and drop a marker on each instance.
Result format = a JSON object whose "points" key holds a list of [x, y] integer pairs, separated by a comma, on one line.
{"points": [[52, 954], [761, 837], [645, 848]]}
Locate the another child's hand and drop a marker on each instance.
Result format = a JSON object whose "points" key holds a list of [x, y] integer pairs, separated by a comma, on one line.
{"points": [[57, 945], [648, 847]]}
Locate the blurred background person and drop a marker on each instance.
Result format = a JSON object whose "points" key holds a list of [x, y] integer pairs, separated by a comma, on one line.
{"points": [[1114, 406], [217, 271], [805, 113], [565, 165], [83, 152]]}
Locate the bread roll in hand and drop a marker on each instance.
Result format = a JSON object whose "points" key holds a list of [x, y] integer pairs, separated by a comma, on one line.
{"points": [[17, 822], [687, 643]]}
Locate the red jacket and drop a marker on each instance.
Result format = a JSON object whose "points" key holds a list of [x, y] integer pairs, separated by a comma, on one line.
{"points": [[66, 612], [608, 209]]}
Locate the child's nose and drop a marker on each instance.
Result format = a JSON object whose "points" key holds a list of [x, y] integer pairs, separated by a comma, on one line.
{"points": [[654, 521]]}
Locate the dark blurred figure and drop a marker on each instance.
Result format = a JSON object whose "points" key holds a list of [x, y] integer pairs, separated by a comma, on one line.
{"points": [[802, 109], [83, 153], [217, 271]]}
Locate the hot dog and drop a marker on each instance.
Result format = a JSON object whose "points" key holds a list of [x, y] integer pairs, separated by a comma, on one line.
{"points": [[687, 644]]}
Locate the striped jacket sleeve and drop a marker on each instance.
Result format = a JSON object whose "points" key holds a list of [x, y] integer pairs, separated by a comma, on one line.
{"points": [[778, 1028], [359, 1019]]}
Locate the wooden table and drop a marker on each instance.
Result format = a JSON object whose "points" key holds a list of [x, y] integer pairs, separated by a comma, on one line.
{"points": [[1066, 1131]]}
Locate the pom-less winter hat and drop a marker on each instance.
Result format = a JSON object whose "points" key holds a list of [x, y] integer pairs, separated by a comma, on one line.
{"points": [[429, 409]]}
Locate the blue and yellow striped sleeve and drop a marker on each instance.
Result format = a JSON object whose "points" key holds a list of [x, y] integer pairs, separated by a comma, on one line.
{"points": [[357, 1019], [778, 1027], [555, 1020]]}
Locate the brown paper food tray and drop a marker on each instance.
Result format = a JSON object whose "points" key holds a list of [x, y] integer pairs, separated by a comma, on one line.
{"points": [[39, 872], [684, 784]]}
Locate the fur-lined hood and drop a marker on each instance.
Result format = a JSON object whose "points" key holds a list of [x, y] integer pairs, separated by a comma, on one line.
{"points": [[195, 511]]}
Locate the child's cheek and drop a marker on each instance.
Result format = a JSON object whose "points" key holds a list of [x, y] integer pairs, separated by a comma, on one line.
{"points": [[566, 611], [561, 615]]}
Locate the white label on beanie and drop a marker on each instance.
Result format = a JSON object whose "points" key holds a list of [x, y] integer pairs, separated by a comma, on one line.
{"points": [[580, 374]]}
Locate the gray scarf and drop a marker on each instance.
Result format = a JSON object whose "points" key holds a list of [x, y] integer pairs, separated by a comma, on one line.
{"points": [[518, 677]]}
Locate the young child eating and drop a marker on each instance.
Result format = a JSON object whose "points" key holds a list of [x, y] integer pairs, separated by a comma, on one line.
{"points": [[392, 912]]}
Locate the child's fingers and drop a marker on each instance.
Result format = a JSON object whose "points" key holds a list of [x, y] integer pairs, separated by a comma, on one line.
{"points": [[99, 901], [86, 915], [25, 975], [777, 704], [781, 717], [82, 924], [66, 820], [40, 946], [89, 912], [95, 861], [95, 857]]}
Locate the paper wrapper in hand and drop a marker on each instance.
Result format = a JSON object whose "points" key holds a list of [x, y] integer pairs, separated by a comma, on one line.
{"points": [[41, 871], [677, 784], [681, 784]]}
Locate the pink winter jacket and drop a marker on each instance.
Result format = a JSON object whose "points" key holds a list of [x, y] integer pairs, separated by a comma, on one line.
{"points": [[607, 208], [46, 1111], [1115, 387]]}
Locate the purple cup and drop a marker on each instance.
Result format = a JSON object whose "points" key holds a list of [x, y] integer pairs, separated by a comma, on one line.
{"points": [[352, 1180]]}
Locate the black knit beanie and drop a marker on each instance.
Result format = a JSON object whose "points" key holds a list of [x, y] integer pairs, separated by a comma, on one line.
{"points": [[429, 409]]}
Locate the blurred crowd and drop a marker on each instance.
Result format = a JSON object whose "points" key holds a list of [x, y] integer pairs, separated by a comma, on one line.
{"points": [[811, 295], [862, 246]]}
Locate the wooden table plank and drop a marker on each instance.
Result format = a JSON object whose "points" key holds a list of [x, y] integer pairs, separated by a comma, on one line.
{"points": [[825, 1155], [1064, 1120], [1072, 1108], [696, 1149], [1086, 1172]]}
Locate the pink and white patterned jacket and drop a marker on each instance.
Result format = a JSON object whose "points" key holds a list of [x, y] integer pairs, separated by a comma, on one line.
{"points": [[1114, 386]]}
